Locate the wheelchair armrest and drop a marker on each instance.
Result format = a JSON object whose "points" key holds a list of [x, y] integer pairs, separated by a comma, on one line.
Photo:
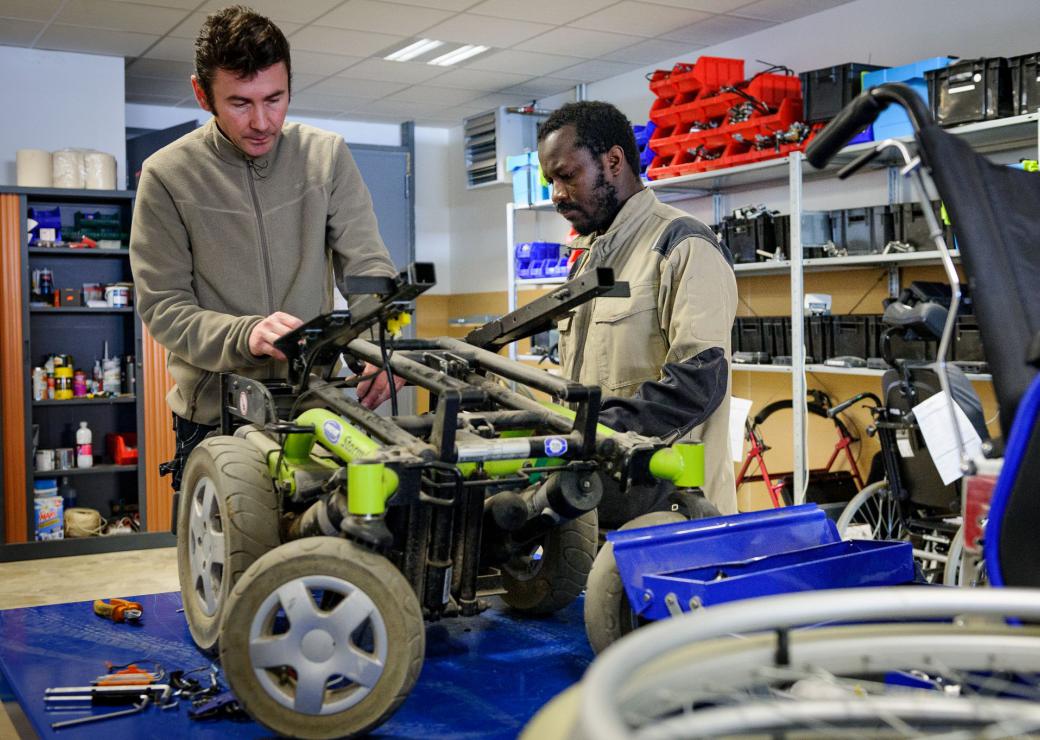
{"points": [[926, 320]]}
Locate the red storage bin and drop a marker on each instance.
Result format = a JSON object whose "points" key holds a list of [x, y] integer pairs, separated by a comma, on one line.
{"points": [[703, 77], [122, 447]]}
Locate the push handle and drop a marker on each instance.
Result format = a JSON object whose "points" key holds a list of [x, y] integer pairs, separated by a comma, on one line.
{"points": [[832, 412]]}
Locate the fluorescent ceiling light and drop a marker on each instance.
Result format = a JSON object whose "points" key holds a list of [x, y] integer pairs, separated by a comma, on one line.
{"points": [[458, 55], [413, 50]]}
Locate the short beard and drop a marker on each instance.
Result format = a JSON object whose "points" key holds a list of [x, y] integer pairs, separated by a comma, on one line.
{"points": [[605, 206]]}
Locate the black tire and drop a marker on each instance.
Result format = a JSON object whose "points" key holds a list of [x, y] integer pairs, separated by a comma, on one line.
{"points": [[608, 613], [553, 581], [381, 635], [226, 491]]}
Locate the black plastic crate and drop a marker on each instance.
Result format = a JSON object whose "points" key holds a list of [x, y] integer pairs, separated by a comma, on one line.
{"points": [[826, 91], [752, 336], [971, 90], [1025, 83], [734, 336], [855, 336], [816, 231], [776, 332], [967, 344], [911, 227], [819, 337], [864, 230], [746, 236]]}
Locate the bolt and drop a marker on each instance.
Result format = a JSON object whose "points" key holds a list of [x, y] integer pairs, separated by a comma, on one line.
{"points": [[695, 603], [646, 597]]}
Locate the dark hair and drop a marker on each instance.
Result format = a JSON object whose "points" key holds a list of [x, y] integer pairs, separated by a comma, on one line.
{"points": [[241, 41], [598, 126]]}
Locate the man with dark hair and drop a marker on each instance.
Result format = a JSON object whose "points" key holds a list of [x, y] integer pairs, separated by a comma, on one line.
{"points": [[662, 354], [241, 227]]}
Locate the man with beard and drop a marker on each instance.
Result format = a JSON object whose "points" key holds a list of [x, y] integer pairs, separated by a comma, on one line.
{"points": [[662, 354]]}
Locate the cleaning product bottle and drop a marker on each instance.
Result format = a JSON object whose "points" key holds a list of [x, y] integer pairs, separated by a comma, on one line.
{"points": [[67, 493], [84, 448]]}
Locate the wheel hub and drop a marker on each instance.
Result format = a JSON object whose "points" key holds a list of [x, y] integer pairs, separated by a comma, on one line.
{"points": [[317, 646]]}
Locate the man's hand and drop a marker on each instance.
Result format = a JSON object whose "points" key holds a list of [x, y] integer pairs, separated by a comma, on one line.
{"points": [[264, 334], [375, 391]]}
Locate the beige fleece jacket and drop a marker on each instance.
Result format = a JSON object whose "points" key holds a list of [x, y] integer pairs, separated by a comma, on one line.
{"points": [[220, 241]]}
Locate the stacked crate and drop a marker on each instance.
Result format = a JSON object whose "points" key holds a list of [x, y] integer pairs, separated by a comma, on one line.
{"points": [[708, 117]]}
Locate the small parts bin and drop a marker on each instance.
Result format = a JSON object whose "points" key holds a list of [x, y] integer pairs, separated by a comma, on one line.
{"points": [[971, 90], [826, 91], [680, 567], [538, 260]]}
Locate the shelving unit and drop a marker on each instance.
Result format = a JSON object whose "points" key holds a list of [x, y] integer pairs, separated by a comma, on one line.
{"points": [[81, 332], [1006, 134]]}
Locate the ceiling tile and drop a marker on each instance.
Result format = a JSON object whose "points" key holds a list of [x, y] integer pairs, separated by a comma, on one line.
{"points": [[595, 70], [436, 96], [399, 108], [301, 82], [29, 10], [162, 69], [154, 86], [494, 100], [297, 11], [328, 103], [193, 104], [578, 42], [316, 63], [19, 33], [785, 10], [370, 89], [453, 5], [652, 51], [640, 18], [98, 41], [709, 6], [153, 100], [482, 29], [342, 41], [540, 87], [119, 16], [181, 4], [551, 11], [717, 29], [189, 27], [380, 69], [369, 15], [478, 79], [522, 62], [175, 49]]}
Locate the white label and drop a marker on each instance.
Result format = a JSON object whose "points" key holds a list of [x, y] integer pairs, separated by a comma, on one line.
{"points": [[960, 89], [933, 416], [447, 586], [859, 532], [905, 448], [48, 235], [738, 412]]}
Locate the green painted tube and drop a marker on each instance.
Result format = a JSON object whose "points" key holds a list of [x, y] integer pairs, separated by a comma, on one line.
{"points": [[602, 431], [682, 463], [342, 439], [369, 485]]}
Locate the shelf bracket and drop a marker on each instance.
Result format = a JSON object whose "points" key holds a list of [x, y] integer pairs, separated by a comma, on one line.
{"points": [[894, 283]]}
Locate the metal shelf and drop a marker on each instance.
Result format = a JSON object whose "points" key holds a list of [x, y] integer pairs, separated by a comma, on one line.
{"points": [[819, 369], [69, 252], [94, 470], [85, 401], [750, 368], [78, 309], [540, 281], [855, 262]]}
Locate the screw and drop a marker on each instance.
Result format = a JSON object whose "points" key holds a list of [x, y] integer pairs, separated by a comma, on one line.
{"points": [[646, 596], [695, 603]]}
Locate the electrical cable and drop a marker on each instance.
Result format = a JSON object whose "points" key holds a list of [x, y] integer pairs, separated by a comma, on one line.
{"points": [[386, 367]]}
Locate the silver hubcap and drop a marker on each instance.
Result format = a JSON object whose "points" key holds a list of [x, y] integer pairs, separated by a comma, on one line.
{"points": [[206, 532], [318, 645]]}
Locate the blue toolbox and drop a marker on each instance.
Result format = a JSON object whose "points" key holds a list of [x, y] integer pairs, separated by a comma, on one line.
{"points": [[893, 123], [680, 567]]}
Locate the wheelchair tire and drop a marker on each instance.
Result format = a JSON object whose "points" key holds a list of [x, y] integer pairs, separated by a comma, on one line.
{"points": [[608, 613], [876, 507], [546, 584], [322, 638], [228, 518]]}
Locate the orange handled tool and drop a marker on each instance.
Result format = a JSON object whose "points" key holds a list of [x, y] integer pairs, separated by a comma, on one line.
{"points": [[118, 610]]}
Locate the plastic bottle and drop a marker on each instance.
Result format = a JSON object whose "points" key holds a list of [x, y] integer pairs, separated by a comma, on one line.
{"points": [[84, 446], [67, 493]]}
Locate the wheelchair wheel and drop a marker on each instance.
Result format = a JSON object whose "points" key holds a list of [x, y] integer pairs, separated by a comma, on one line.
{"points": [[553, 573], [228, 518], [963, 568], [876, 514], [321, 639], [608, 612]]}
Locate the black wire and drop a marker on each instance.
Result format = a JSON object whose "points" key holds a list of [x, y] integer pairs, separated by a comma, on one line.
{"points": [[386, 367]]}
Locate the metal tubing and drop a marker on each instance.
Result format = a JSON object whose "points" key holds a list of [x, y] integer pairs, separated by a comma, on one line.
{"points": [[468, 564], [501, 394], [410, 370]]}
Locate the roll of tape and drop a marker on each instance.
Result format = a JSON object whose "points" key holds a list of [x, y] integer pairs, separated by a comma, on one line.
{"points": [[33, 168], [68, 168], [100, 171]]}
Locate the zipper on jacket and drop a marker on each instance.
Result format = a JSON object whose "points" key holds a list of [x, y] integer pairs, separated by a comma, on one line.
{"points": [[263, 239]]}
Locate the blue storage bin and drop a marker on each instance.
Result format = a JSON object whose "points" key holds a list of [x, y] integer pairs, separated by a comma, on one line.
{"points": [[48, 219], [535, 259], [893, 122], [524, 170]]}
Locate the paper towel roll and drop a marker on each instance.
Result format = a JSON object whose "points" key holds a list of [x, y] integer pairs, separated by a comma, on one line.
{"points": [[100, 171], [34, 168], [68, 168]]}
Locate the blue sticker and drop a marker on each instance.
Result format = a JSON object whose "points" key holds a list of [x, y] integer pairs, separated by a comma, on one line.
{"points": [[555, 446], [332, 431]]}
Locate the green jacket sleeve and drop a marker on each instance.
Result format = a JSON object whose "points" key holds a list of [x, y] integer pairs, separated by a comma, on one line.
{"points": [[352, 231], [160, 258]]}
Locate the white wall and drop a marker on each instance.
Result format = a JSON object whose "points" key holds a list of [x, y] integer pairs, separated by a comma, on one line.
{"points": [[887, 32], [54, 100]]}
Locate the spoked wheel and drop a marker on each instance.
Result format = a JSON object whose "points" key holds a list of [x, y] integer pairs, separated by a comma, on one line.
{"points": [[608, 613], [552, 573], [876, 513], [321, 639], [228, 518], [962, 567]]}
